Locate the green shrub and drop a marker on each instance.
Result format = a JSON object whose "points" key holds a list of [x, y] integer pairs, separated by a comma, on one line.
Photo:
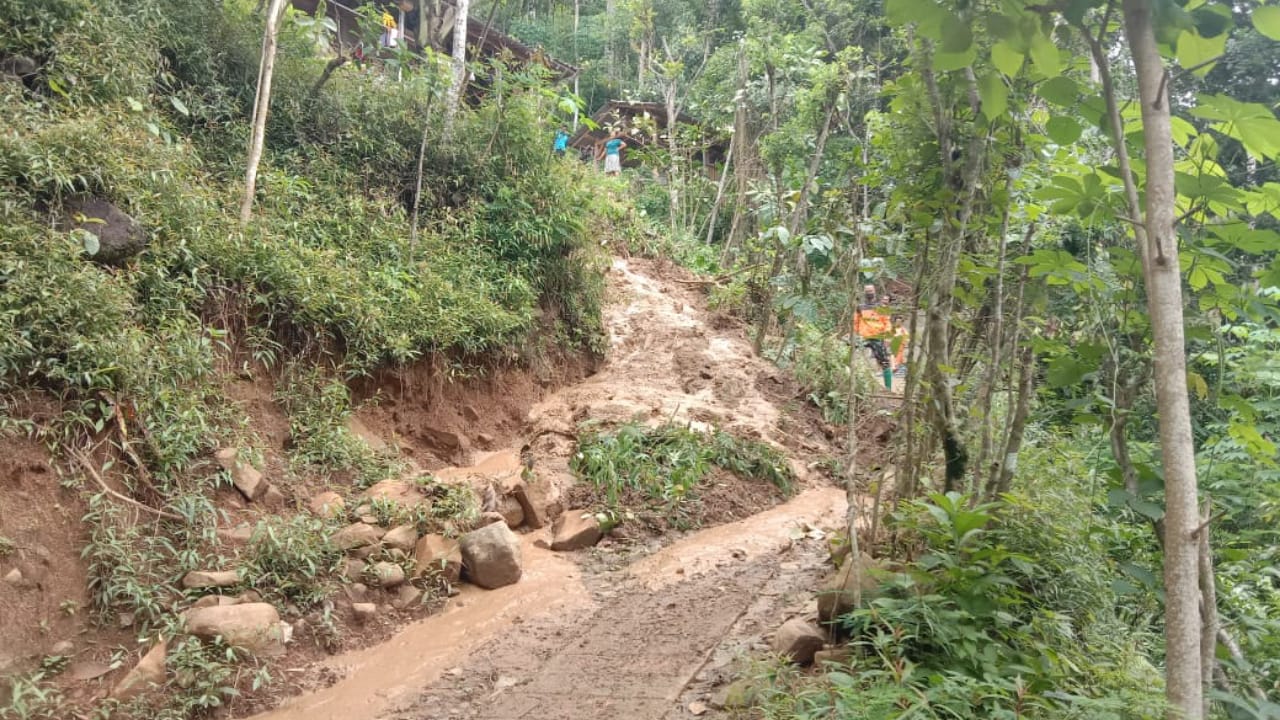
{"points": [[292, 560], [666, 464]]}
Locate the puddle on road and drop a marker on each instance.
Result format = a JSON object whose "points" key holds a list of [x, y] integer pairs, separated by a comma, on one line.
{"points": [[381, 677]]}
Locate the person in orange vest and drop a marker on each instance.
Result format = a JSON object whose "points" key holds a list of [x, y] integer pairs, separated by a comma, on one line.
{"points": [[874, 325]]}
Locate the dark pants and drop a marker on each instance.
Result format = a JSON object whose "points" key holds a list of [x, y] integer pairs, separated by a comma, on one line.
{"points": [[881, 352]]}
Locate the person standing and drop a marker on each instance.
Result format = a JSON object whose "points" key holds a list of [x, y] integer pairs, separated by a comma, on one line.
{"points": [[874, 326], [613, 154], [561, 143]]}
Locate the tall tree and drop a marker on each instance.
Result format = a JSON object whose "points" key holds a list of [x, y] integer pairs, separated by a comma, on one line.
{"points": [[1158, 247], [262, 102], [458, 74]]}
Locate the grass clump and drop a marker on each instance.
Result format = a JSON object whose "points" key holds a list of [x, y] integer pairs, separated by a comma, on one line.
{"points": [[667, 464], [292, 560]]}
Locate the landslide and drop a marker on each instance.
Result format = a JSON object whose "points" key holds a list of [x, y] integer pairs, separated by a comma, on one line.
{"points": [[173, 385]]}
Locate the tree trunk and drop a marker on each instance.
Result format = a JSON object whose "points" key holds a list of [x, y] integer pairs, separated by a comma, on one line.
{"points": [[458, 77], [1208, 608], [1164, 305], [262, 102]]}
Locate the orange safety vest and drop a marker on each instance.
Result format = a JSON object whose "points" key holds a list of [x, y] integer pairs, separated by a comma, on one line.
{"points": [[872, 324]]}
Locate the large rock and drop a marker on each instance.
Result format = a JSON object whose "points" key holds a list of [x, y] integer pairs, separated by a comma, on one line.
{"points": [[511, 510], [798, 640], [438, 554], [252, 626], [210, 579], [370, 438], [401, 537], [491, 556], [243, 475], [148, 672], [119, 236], [327, 504], [837, 596], [574, 530], [357, 535]]}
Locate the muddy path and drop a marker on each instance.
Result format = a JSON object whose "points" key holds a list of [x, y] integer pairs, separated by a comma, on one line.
{"points": [[644, 628]]}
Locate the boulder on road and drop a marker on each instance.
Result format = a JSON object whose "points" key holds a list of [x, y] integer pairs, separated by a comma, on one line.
{"points": [[491, 556], [798, 640], [439, 554], [148, 672], [252, 626], [574, 530], [837, 594]]}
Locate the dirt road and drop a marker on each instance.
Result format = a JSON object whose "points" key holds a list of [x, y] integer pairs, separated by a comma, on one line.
{"points": [[630, 631]]}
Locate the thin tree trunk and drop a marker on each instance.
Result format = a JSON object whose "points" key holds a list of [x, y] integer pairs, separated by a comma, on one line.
{"points": [[458, 78], [997, 345], [1018, 425], [1164, 305], [261, 104], [740, 148], [1208, 608], [996, 472], [719, 201]]}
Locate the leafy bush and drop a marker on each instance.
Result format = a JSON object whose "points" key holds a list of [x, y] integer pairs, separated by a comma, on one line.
{"points": [[292, 559], [667, 463]]}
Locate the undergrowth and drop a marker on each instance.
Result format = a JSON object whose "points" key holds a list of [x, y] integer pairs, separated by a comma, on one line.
{"points": [[666, 465]]}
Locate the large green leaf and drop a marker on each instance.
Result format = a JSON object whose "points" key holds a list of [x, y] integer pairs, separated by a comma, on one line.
{"points": [[1059, 91], [1200, 54], [1267, 20], [995, 95], [1252, 124], [1006, 59], [1063, 130], [944, 62], [1044, 55], [904, 12], [956, 36]]}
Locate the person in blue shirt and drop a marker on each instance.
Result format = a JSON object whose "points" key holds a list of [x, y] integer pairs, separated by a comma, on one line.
{"points": [[562, 142], [613, 154]]}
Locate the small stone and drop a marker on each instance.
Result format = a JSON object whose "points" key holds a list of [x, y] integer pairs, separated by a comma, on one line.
{"points": [[574, 530], [125, 620], [14, 577], [62, 648], [489, 518], [407, 598], [356, 535], [253, 626], [364, 553], [491, 556], [214, 601], [236, 536], [327, 504], [147, 673], [210, 579], [357, 593], [697, 708], [354, 570], [273, 499], [401, 537], [244, 476], [511, 510], [388, 575], [364, 612], [798, 640], [249, 596], [437, 553]]}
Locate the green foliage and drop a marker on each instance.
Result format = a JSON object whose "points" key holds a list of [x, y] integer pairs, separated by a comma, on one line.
{"points": [[292, 560], [33, 696], [666, 464], [206, 675]]}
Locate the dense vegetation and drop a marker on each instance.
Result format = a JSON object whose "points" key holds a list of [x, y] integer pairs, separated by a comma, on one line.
{"points": [[119, 366], [991, 165], [997, 165]]}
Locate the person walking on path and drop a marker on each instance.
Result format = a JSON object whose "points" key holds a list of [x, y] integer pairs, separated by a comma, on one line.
{"points": [[873, 325], [613, 154]]}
